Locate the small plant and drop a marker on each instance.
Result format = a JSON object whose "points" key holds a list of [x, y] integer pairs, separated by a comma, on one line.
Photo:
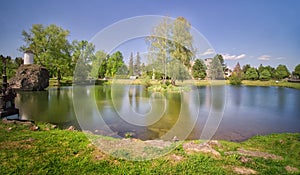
{"points": [[129, 135]]}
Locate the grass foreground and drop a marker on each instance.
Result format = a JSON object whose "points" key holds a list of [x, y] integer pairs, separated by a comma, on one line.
{"points": [[27, 148]]}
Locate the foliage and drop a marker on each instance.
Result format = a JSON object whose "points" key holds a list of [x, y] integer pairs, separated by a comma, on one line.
{"points": [[99, 65], [297, 70], [281, 72], [251, 74], [260, 68], [245, 68], [170, 48], [50, 47], [114, 62], [199, 69], [182, 48], [137, 66], [237, 75], [131, 64], [221, 59], [272, 71], [265, 75], [11, 66], [215, 69]]}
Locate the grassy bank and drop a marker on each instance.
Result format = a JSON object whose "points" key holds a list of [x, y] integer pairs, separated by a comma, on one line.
{"points": [[68, 82], [52, 151], [272, 83]]}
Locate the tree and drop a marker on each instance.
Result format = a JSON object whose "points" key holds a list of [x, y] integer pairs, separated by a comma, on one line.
{"points": [[237, 75], [265, 75], [245, 68], [131, 64], [160, 46], [297, 70], [114, 62], [137, 65], [10, 66], [221, 59], [260, 68], [99, 65], [170, 44], [281, 72], [19, 61], [216, 69], [272, 71], [251, 74], [199, 69], [82, 57], [182, 48], [50, 47]]}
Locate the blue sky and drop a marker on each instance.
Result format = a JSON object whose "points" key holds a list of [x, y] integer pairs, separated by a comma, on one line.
{"points": [[255, 32]]}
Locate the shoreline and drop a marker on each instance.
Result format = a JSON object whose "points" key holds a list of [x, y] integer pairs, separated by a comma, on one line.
{"points": [[286, 84]]}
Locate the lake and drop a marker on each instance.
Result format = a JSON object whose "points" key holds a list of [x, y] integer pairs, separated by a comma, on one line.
{"points": [[221, 112]]}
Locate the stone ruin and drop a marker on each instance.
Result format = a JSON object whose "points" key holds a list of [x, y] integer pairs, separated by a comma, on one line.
{"points": [[30, 77]]}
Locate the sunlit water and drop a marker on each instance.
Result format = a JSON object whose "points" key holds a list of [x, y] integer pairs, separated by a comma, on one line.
{"points": [[247, 111]]}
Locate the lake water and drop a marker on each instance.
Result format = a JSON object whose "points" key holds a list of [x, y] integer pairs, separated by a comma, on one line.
{"points": [[222, 112]]}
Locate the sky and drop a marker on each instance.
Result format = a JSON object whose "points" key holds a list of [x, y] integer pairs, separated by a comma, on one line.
{"points": [[246, 31]]}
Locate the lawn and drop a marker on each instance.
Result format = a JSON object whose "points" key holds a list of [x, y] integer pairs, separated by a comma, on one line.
{"points": [[48, 150]]}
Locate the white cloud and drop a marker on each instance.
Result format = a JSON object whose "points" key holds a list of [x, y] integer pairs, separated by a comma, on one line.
{"points": [[281, 58], [208, 52], [233, 57], [264, 57]]}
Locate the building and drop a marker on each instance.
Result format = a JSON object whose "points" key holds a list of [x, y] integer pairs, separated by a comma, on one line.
{"points": [[28, 57]]}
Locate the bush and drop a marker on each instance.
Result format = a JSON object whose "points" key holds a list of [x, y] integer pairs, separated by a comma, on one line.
{"points": [[235, 79]]}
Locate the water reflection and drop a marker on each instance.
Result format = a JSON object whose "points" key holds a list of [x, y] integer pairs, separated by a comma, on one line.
{"points": [[115, 110]]}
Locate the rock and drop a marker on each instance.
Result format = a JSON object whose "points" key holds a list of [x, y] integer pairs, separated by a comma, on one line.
{"points": [[291, 169], [71, 128], [34, 128], [204, 148], [244, 159], [243, 170], [260, 154], [53, 126], [30, 77], [175, 139], [214, 143]]}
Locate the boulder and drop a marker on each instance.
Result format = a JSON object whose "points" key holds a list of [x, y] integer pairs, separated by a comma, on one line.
{"points": [[30, 77]]}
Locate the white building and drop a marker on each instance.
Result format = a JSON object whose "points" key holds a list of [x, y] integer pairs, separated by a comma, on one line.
{"points": [[28, 57]]}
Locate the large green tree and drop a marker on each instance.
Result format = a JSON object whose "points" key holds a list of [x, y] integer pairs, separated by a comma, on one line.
{"points": [[114, 62], [297, 70], [82, 57], [99, 64], [50, 47], [281, 72], [265, 75], [245, 68], [251, 74], [199, 69], [215, 69], [170, 44]]}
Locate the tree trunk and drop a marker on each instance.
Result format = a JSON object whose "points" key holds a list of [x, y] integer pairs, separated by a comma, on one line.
{"points": [[58, 78]]}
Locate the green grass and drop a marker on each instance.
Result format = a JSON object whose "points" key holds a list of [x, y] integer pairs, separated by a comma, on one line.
{"points": [[67, 81], [55, 151], [271, 83]]}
